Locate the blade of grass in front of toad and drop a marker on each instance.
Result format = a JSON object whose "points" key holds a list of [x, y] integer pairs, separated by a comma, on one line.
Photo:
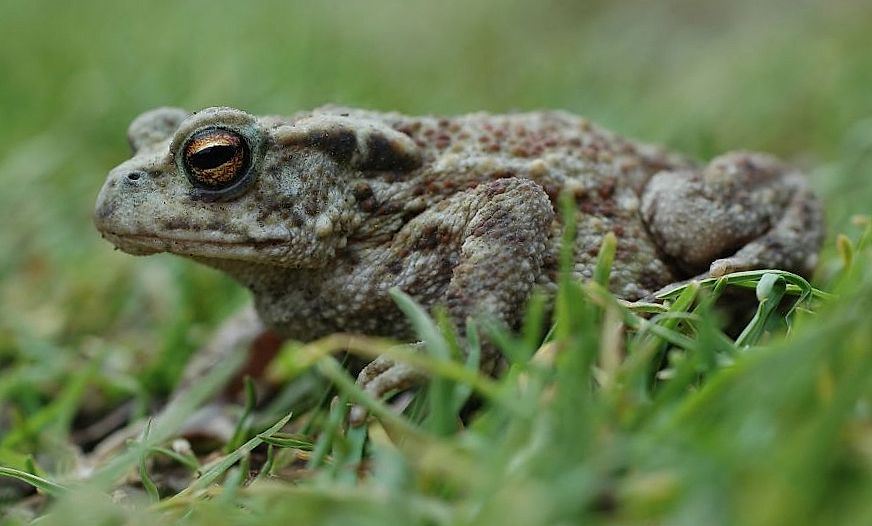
{"points": [[518, 349], [40, 483], [293, 360], [348, 455], [637, 370], [242, 425], [222, 465], [691, 367], [326, 439], [577, 339], [335, 373], [463, 391], [796, 284], [144, 478]]}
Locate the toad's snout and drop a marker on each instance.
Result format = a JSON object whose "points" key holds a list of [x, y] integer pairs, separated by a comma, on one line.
{"points": [[121, 204], [119, 185]]}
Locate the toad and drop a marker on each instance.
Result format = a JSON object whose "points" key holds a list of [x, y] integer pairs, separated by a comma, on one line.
{"points": [[322, 213]]}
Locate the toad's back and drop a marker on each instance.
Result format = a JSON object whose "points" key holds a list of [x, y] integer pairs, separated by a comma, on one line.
{"points": [[603, 171]]}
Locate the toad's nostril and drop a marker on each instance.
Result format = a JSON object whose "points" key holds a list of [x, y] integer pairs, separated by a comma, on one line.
{"points": [[134, 176]]}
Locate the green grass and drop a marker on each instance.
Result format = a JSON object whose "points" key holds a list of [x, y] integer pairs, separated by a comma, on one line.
{"points": [[672, 422]]}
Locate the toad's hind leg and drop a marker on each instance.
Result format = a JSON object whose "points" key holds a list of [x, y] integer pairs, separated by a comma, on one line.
{"points": [[790, 244], [743, 211]]}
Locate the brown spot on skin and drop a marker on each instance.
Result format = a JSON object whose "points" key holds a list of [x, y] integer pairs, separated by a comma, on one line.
{"points": [[295, 218], [441, 184], [431, 186], [311, 208], [339, 144], [587, 207], [384, 154], [599, 201], [520, 151], [390, 207], [368, 205], [274, 205], [392, 177], [607, 188], [362, 191], [428, 239], [443, 140], [177, 223], [626, 147], [409, 128], [395, 267], [220, 226], [493, 227], [273, 171]]}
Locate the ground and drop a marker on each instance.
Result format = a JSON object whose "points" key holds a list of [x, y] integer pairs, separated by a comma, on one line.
{"points": [[775, 429]]}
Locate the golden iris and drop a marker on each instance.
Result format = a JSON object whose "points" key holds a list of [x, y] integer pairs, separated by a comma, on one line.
{"points": [[215, 158]]}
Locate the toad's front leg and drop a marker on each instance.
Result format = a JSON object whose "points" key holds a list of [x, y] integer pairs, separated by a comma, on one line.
{"points": [[478, 254]]}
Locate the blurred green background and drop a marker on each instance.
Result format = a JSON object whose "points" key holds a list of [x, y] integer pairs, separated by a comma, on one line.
{"points": [[793, 77]]}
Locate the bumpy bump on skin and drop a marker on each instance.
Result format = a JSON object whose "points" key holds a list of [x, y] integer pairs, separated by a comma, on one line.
{"points": [[343, 205]]}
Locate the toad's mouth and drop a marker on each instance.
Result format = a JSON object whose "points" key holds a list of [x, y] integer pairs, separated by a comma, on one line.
{"points": [[201, 246]]}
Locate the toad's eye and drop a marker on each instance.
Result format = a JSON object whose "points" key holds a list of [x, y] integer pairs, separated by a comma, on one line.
{"points": [[215, 158]]}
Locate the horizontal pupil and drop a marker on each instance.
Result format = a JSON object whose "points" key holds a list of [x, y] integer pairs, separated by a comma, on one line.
{"points": [[212, 156]]}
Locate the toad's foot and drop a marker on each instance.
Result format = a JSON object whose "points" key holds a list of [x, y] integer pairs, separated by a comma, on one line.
{"points": [[380, 377]]}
